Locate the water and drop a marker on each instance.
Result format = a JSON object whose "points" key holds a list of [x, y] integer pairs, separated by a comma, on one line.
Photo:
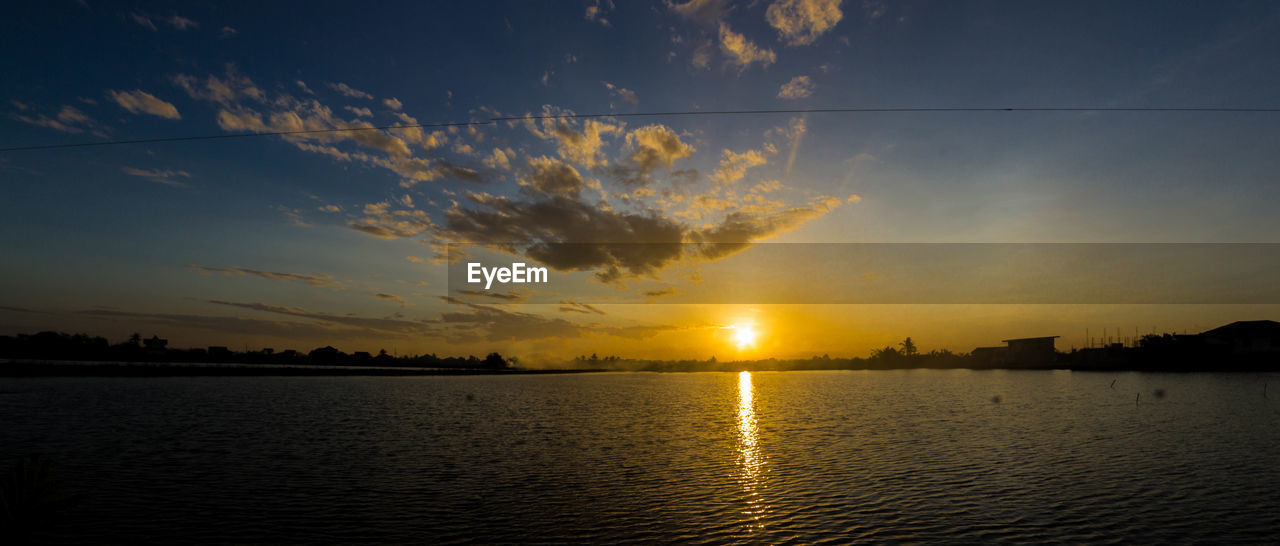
{"points": [[800, 457]]}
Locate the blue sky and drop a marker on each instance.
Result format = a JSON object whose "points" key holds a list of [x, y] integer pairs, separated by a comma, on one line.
{"points": [[299, 240]]}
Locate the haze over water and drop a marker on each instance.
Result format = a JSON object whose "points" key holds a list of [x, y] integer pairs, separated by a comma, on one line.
{"points": [[770, 457]]}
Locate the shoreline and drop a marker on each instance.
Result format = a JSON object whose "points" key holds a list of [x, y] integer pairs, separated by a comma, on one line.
{"points": [[71, 368], [14, 368]]}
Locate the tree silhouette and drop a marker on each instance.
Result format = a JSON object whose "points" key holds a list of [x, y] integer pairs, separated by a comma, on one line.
{"points": [[908, 347], [495, 361]]}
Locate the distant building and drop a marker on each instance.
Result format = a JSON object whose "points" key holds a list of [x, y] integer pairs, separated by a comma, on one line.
{"points": [[1020, 352], [1031, 349], [218, 351], [1244, 337], [325, 354], [155, 343]]}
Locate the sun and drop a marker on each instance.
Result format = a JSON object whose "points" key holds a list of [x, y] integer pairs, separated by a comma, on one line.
{"points": [[744, 336]]}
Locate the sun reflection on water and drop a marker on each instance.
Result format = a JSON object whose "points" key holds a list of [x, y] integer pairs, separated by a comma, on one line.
{"points": [[750, 462]]}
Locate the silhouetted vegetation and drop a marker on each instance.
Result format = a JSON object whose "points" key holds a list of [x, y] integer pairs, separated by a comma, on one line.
{"points": [[57, 346], [1246, 346], [1240, 346]]}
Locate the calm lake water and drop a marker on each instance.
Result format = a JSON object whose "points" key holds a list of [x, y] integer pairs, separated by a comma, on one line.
{"points": [[800, 457]]}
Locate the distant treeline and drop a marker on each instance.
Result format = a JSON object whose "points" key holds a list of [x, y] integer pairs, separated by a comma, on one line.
{"points": [[1154, 353], [904, 356], [1209, 351], [82, 347]]}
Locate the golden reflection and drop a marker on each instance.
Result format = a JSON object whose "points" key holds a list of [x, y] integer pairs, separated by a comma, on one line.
{"points": [[750, 463]]}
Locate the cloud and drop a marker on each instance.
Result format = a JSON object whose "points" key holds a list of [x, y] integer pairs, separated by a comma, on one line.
{"points": [[166, 176], [69, 119], [654, 146], [363, 324], [579, 143], [362, 112], [623, 94], [733, 166], [703, 12], [583, 147], [739, 228], [741, 51], [227, 32], [501, 296], [393, 103], [798, 88], [294, 216], [182, 23], [659, 293], [312, 126], [499, 159], [349, 91], [569, 235], [801, 22], [548, 176], [553, 219], [144, 20], [488, 323], [793, 133], [235, 325], [382, 222], [141, 102], [571, 306], [389, 297], [176, 21], [597, 9], [701, 57], [223, 90], [322, 281]]}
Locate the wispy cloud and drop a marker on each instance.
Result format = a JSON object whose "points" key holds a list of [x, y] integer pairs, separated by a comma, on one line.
{"points": [[597, 10], [389, 297], [571, 306], [362, 112], [801, 22], [742, 52], [704, 12], [324, 281], [349, 91], [175, 21], [68, 119], [141, 102], [623, 94], [798, 88], [500, 296], [167, 177]]}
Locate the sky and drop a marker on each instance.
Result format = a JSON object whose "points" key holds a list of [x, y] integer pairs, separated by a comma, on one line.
{"points": [[340, 238]]}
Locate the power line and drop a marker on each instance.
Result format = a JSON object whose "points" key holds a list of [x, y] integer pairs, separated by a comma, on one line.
{"points": [[883, 110], [238, 135], [496, 119]]}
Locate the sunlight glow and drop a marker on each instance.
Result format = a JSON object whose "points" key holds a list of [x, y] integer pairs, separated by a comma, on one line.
{"points": [[744, 336]]}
